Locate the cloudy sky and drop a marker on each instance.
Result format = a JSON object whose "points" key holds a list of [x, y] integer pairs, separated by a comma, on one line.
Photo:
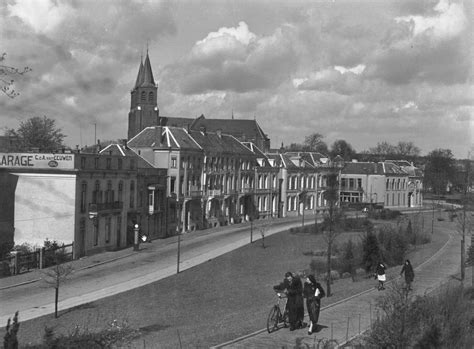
{"points": [[362, 71]]}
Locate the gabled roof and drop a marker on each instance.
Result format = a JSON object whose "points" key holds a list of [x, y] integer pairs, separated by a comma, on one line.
{"points": [[164, 137], [262, 158], [365, 168], [120, 150], [176, 121], [220, 143], [235, 127], [391, 168]]}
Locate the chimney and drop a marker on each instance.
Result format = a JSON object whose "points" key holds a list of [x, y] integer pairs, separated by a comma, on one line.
{"points": [[158, 140], [219, 133], [99, 148]]}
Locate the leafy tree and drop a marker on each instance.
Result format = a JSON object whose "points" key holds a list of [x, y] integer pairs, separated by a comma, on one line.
{"points": [[370, 250], [6, 77], [344, 149], [37, 132], [314, 142], [439, 170]]}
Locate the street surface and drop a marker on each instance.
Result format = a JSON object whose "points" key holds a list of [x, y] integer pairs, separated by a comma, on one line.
{"points": [[124, 270]]}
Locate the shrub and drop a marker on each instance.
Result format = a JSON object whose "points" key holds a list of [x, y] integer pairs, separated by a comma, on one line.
{"points": [[440, 321], [370, 251], [10, 340]]}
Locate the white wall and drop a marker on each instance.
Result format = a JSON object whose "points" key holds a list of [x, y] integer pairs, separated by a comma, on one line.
{"points": [[44, 208]]}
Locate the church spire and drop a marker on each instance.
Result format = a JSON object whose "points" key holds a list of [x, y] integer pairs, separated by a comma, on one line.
{"points": [[139, 80]]}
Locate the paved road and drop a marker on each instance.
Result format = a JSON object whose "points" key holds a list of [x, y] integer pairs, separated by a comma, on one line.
{"points": [[346, 319], [106, 274]]}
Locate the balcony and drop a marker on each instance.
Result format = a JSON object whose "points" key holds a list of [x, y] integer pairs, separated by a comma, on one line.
{"points": [[194, 194], [247, 190], [106, 206], [214, 192]]}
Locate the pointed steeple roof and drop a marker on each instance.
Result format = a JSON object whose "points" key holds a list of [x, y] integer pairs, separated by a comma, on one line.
{"points": [[145, 74], [140, 75]]}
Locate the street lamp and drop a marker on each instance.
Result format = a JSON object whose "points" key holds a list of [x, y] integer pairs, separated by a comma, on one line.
{"points": [[136, 243]]}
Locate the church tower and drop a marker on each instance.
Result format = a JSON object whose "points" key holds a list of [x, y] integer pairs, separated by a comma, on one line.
{"points": [[144, 110]]}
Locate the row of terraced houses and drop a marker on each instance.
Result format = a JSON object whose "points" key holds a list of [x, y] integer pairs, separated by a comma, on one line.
{"points": [[176, 175]]}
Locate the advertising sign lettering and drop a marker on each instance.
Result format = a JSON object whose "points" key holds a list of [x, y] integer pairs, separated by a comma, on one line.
{"points": [[35, 160]]}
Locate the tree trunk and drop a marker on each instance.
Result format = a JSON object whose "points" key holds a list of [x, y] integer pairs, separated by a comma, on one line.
{"points": [[56, 297], [328, 270]]}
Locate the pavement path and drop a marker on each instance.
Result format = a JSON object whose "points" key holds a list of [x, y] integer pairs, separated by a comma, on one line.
{"points": [[346, 319]]}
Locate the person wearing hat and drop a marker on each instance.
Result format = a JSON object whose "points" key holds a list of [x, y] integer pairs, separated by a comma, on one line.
{"points": [[313, 292], [293, 289]]}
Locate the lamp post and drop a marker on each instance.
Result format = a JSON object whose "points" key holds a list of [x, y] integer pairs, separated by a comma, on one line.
{"points": [[179, 252], [136, 243]]}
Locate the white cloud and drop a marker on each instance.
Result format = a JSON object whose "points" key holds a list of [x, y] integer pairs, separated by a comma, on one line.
{"points": [[43, 16], [358, 69], [448, 23]]}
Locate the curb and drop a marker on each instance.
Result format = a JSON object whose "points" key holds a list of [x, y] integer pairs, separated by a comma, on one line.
{"points": [[83, 268]]}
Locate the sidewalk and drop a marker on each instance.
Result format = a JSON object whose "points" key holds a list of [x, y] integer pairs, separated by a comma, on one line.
{"points": [[348, 318]]}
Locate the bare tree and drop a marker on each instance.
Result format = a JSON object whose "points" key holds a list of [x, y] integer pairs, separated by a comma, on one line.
{"points": [[263, 228], [55, 277], [331, 222], [6, 77]]}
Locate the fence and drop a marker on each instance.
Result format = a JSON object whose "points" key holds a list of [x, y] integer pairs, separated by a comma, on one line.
{"points": [[19, 262]]}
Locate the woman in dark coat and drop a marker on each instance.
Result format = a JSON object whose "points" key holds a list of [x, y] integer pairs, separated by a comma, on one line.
{"points": [[409, 274], [313, 292], [294, 290]]}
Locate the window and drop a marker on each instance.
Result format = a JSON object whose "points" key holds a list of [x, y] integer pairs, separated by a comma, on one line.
{"points": [[119, 163], [359, 182], [120, 191], [96, 234], [173, 162], [109, 163], [96, 193], [83, 162], [132, 164], [96, 163], [143, 96], [150, 97], [83, 196], [132, 194], [172, 185], [119, 229], [107, 229], [109, 196]]}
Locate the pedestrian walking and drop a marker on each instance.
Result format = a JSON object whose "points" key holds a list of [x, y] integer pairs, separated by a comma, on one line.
{"points": [[409, 274], [380, 274], [293, 289], [313, 292]]}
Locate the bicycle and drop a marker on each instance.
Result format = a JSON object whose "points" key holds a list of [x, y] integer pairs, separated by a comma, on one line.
{"points": [[276, 316]]}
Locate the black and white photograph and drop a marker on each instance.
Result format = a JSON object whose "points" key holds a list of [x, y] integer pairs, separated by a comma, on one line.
{"points": [[236, 174]]}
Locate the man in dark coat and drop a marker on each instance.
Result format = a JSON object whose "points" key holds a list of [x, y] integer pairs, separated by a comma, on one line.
{"points": [[293, 288]]}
